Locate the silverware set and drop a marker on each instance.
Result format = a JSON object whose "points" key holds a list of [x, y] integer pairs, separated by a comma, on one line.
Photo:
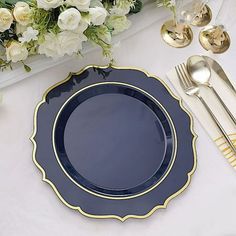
{"points": [[200, 72], [197, 73]]}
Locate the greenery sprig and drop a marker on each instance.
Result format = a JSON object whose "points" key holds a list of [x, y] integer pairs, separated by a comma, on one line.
{"points": [[59, 28], [99, 35]]}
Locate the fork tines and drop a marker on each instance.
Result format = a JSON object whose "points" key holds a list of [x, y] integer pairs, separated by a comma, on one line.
{"points": [[183, 75]]}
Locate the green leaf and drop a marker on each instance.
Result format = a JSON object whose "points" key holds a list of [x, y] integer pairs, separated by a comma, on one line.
{"points": [[27, 68], [12, 1], [4, 64], [137, 7], [101, 36]]}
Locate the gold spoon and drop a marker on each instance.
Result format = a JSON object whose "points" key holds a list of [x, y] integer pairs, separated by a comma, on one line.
{"points": [[200, 72]]}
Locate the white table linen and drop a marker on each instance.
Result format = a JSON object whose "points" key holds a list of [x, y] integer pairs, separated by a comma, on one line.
{"points": [[30, 207]]}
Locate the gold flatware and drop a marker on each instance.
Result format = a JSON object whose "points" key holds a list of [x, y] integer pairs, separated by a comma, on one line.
{"points": [[192, 89], [219, 71], [200, 72]]}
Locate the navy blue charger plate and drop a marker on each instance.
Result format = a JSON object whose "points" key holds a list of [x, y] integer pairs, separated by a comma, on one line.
{"points": [[113, 142]]}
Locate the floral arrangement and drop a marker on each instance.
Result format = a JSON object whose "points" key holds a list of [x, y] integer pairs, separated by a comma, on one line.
{"points": [[56, 28]]}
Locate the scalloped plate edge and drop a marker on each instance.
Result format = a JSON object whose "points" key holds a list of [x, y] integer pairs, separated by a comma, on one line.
{"points": [[44, 178]]}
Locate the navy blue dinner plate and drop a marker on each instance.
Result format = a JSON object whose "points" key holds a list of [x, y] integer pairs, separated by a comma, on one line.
{"points": [[113, 142]]}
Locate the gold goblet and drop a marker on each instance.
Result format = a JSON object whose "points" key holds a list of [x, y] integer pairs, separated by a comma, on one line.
{"points": [[215, 38], [203, 18], [177, 33]]}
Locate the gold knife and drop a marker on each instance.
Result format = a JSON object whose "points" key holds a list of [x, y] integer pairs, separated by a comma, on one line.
{"points": [[219, 71]]}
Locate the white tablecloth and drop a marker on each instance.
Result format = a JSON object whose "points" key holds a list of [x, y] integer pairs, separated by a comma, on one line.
{"points": [[30, 207]]}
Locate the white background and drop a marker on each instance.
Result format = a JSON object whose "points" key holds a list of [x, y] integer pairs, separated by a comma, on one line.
{"points": [[30, 207]]}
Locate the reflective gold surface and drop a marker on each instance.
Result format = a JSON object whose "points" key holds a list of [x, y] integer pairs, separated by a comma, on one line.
{"points": [[192, 89], [215, 39], [200, 72], [176, 35], [215, 66], [203, 18]]}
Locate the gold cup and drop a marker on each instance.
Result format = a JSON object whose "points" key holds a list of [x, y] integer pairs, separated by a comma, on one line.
{"points": [[203, 18], [176, 34], [215, 39]]}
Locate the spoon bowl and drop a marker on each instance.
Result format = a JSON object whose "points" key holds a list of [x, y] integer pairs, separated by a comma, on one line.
{"points": [[200, 73], [199, 70]]}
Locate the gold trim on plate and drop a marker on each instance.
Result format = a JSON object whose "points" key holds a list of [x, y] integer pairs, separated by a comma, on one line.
{"points": [[97, 194], [44, 178]]}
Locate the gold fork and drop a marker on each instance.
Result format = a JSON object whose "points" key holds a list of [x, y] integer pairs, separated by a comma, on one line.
{"points": [[191, 89]]}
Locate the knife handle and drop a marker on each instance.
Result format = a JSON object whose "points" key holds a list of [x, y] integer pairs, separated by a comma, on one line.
{"points": [[220, 127], [224, 105]]}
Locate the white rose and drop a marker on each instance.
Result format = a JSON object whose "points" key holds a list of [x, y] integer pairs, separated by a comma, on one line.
{"points": [[82, 5], [96, 3], [49, 4], [16, 52], [69, 19], [98, 15], [83, 25], [6, 19], [121, 11], [21, 13], [20, 28], [49, 46], [29, 35], [70, 42], [66, 42]]}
